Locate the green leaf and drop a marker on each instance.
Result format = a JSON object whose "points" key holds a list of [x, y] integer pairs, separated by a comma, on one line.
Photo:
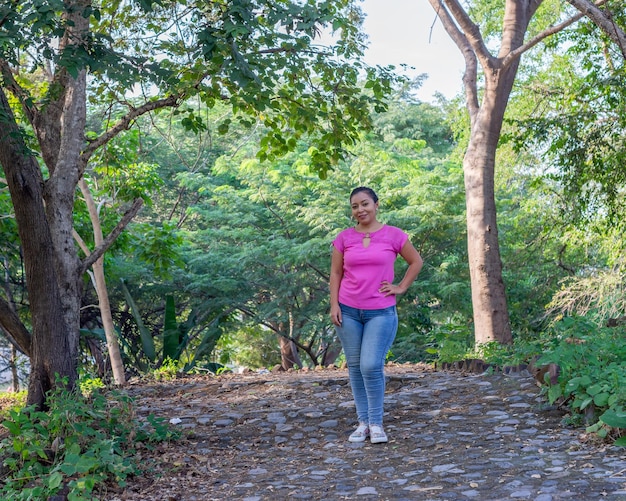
{"points": [[554, 392], [146, 337], [171, 332], [13, 427], [613, 418], [55, 480], [594, 389], [601, 399]]}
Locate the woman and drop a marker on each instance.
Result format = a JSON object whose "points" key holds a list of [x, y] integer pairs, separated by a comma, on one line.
{"points": [[363, 304]]}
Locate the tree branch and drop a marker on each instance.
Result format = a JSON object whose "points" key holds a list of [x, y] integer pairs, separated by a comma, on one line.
{"points": [[471, 31], [124, 124], [17, 90], [511, 56], [15, 330], [110, 238], [603, 19], [464, 45]]}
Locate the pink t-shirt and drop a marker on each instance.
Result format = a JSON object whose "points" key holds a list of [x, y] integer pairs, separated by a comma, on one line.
{"points": [[365, 268]]}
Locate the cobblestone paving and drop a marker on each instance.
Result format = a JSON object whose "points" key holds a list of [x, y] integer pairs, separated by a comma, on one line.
{"points": [[452, 436]]}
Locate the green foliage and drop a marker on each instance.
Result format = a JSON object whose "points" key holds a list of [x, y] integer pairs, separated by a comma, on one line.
{"points": [[248, 346], [262, 58], [598, 294], [577, 125], [156, 245], [11, 401], [80, 444], [451, 342], [89, 385], [592, 360], [167, 371], [176, 340]]}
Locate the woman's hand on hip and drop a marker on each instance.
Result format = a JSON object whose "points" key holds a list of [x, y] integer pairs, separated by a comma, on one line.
{"points": [[388, 289]]}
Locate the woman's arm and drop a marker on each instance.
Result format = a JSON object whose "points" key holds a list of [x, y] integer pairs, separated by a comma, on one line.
{"points": [[415, 262], [336, 274]]}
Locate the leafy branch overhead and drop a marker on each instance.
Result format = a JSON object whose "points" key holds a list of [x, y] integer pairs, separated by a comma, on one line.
{"points": [[293, 68]]}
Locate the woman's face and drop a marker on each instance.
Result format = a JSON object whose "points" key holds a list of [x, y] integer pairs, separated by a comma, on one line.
{"points": [[363, 208]]}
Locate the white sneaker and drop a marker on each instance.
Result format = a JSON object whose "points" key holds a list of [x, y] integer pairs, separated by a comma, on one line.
{"points": [[360, 434], [377, 434]]}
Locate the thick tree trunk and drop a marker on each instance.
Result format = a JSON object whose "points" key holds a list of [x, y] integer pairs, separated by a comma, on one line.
{"points": [[44, 216], [491, 316], [59, 195], [52, 351]]}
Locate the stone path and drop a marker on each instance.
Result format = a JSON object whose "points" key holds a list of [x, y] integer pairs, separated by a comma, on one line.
{"points": [[452, 437]]}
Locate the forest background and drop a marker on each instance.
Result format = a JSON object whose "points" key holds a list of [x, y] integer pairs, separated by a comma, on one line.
{"points": [[226, 265]]}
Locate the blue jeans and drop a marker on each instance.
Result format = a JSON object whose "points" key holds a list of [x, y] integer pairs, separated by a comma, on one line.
{"points": [[366, 336]]}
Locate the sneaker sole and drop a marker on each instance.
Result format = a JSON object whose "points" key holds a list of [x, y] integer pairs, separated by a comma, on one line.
{"points": [[357, 440]]}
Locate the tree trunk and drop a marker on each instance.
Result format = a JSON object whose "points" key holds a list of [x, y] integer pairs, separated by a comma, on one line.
{"points": [[288, 350], [51, 351], [113, 346], [491, 317], [44, 215], [289, 353]]}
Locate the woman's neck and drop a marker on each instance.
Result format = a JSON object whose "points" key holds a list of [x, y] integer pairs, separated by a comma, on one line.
{"points": [[370, 228]]}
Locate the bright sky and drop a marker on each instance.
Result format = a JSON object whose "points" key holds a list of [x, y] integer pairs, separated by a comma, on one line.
{"points": [[407, 32]]}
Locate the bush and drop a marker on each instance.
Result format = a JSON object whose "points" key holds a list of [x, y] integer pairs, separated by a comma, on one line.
{"points": [[81, 443], [592, 379]]}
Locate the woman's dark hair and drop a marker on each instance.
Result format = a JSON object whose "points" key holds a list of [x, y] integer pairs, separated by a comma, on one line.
{"points": [[372, 194]]}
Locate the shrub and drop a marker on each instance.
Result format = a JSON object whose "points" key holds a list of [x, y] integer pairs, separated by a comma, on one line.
{"points": [[81, 443], [592, 379]]}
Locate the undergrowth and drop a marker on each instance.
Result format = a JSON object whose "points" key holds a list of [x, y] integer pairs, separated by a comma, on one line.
{"points": [[81, 443]]}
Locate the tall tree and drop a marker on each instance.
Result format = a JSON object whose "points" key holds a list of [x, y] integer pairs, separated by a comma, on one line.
{"points": [[261, 58], [487, 107]]}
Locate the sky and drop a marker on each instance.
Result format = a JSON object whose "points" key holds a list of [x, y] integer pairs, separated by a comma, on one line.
{"points": [[407, 31]]}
